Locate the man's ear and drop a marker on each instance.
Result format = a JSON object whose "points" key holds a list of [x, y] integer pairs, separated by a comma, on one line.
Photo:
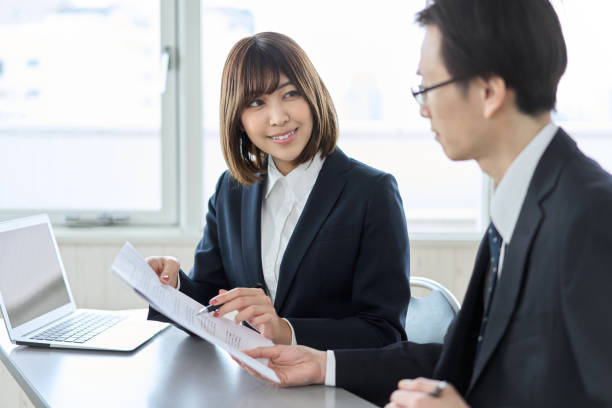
{"points": [[494, 95]]}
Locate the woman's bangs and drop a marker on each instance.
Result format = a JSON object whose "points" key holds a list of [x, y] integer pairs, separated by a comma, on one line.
{"points": [[260, 79], [262, 71]]}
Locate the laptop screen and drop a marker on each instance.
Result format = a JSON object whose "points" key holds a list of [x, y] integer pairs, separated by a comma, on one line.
{"points": [[31, 280]]}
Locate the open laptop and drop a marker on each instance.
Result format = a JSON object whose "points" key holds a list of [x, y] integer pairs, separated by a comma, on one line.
{"points": [[37, 305]]}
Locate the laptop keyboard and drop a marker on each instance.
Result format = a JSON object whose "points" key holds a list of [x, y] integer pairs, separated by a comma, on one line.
{"points": [[79, 328]]}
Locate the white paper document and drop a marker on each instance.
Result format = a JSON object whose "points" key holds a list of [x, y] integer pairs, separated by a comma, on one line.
{"points": [[223, 333]]}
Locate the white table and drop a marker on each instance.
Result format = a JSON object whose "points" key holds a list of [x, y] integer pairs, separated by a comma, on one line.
{"points": [[171, 370]]}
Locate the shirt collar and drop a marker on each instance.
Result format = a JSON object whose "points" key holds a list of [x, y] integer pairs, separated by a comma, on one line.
{"points": [[274, 175], [300, 180], [509, 195]]}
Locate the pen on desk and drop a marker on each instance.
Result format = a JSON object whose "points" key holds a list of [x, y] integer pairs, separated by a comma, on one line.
{"points": [[212, 308]]}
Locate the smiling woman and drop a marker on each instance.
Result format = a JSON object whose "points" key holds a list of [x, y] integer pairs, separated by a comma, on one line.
{"points": [[279, 92], [279, 124], [324, 233]]}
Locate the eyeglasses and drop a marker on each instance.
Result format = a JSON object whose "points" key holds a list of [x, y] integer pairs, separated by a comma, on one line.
{"points": [[420, 91]]}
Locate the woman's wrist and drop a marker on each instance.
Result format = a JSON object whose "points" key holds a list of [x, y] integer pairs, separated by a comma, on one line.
{"points": [[286, 335]]}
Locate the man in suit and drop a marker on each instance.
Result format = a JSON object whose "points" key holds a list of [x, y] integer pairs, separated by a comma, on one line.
{"points": [[533, 330]]}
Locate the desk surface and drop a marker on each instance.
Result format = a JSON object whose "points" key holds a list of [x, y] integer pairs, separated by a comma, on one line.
{"points": [[171, 370]]}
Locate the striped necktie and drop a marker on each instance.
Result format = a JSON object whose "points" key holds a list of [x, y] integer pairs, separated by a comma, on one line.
{"points": [[495, 241]]}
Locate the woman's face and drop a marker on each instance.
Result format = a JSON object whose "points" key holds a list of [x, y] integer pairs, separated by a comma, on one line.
{"points": [[279, 124]]}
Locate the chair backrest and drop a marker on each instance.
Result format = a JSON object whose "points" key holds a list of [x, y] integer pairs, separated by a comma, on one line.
{"points": [[428, 317]]}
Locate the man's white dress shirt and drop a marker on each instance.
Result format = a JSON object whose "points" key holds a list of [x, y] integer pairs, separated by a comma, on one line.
{"points": [[510, 193]]}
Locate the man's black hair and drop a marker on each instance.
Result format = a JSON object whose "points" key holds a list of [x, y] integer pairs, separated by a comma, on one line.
{"points": [[518, 40]]}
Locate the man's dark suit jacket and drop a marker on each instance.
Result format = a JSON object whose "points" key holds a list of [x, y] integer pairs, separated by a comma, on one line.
{"points": [[343, 280], [548, 341]]}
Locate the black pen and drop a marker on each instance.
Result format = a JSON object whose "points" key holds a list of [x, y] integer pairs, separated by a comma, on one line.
{"points": [[212, 308]]}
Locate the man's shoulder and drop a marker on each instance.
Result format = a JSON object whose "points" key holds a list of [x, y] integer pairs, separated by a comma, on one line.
{"points": [[573, 176], [583, 179], [583, 190]]}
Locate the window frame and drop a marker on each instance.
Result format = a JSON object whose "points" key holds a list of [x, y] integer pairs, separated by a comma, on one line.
{"points": [[175, 26]]}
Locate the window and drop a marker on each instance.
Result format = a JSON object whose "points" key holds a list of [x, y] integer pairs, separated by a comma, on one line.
{"points": [[367, 55], [86, 128], [584, 100], [82, 108]]}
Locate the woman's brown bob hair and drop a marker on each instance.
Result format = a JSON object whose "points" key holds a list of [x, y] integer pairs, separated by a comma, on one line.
{"points": [[253, 68]]}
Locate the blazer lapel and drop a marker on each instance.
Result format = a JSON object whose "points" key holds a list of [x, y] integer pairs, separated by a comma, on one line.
{"points": [[508, 286], [251, 232], [515, 258], [457, 358], [323, 196]]}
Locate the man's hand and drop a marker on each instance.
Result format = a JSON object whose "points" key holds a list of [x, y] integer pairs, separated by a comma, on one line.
{"points": [[166, 267], [294, 365], [256, 308], [423, 393]]}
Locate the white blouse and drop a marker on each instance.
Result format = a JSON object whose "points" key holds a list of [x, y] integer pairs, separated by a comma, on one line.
{"points": [[282, 205]]}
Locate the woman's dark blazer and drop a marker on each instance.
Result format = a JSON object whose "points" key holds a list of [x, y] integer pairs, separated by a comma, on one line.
{"points": [[344, 277]]}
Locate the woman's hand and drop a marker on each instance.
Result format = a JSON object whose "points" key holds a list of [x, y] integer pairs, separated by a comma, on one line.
{"points": [[166, 267], [255, 308]]}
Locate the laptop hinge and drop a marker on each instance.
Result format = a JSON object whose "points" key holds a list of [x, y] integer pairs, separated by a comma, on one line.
{"points": [[27, 343]]}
